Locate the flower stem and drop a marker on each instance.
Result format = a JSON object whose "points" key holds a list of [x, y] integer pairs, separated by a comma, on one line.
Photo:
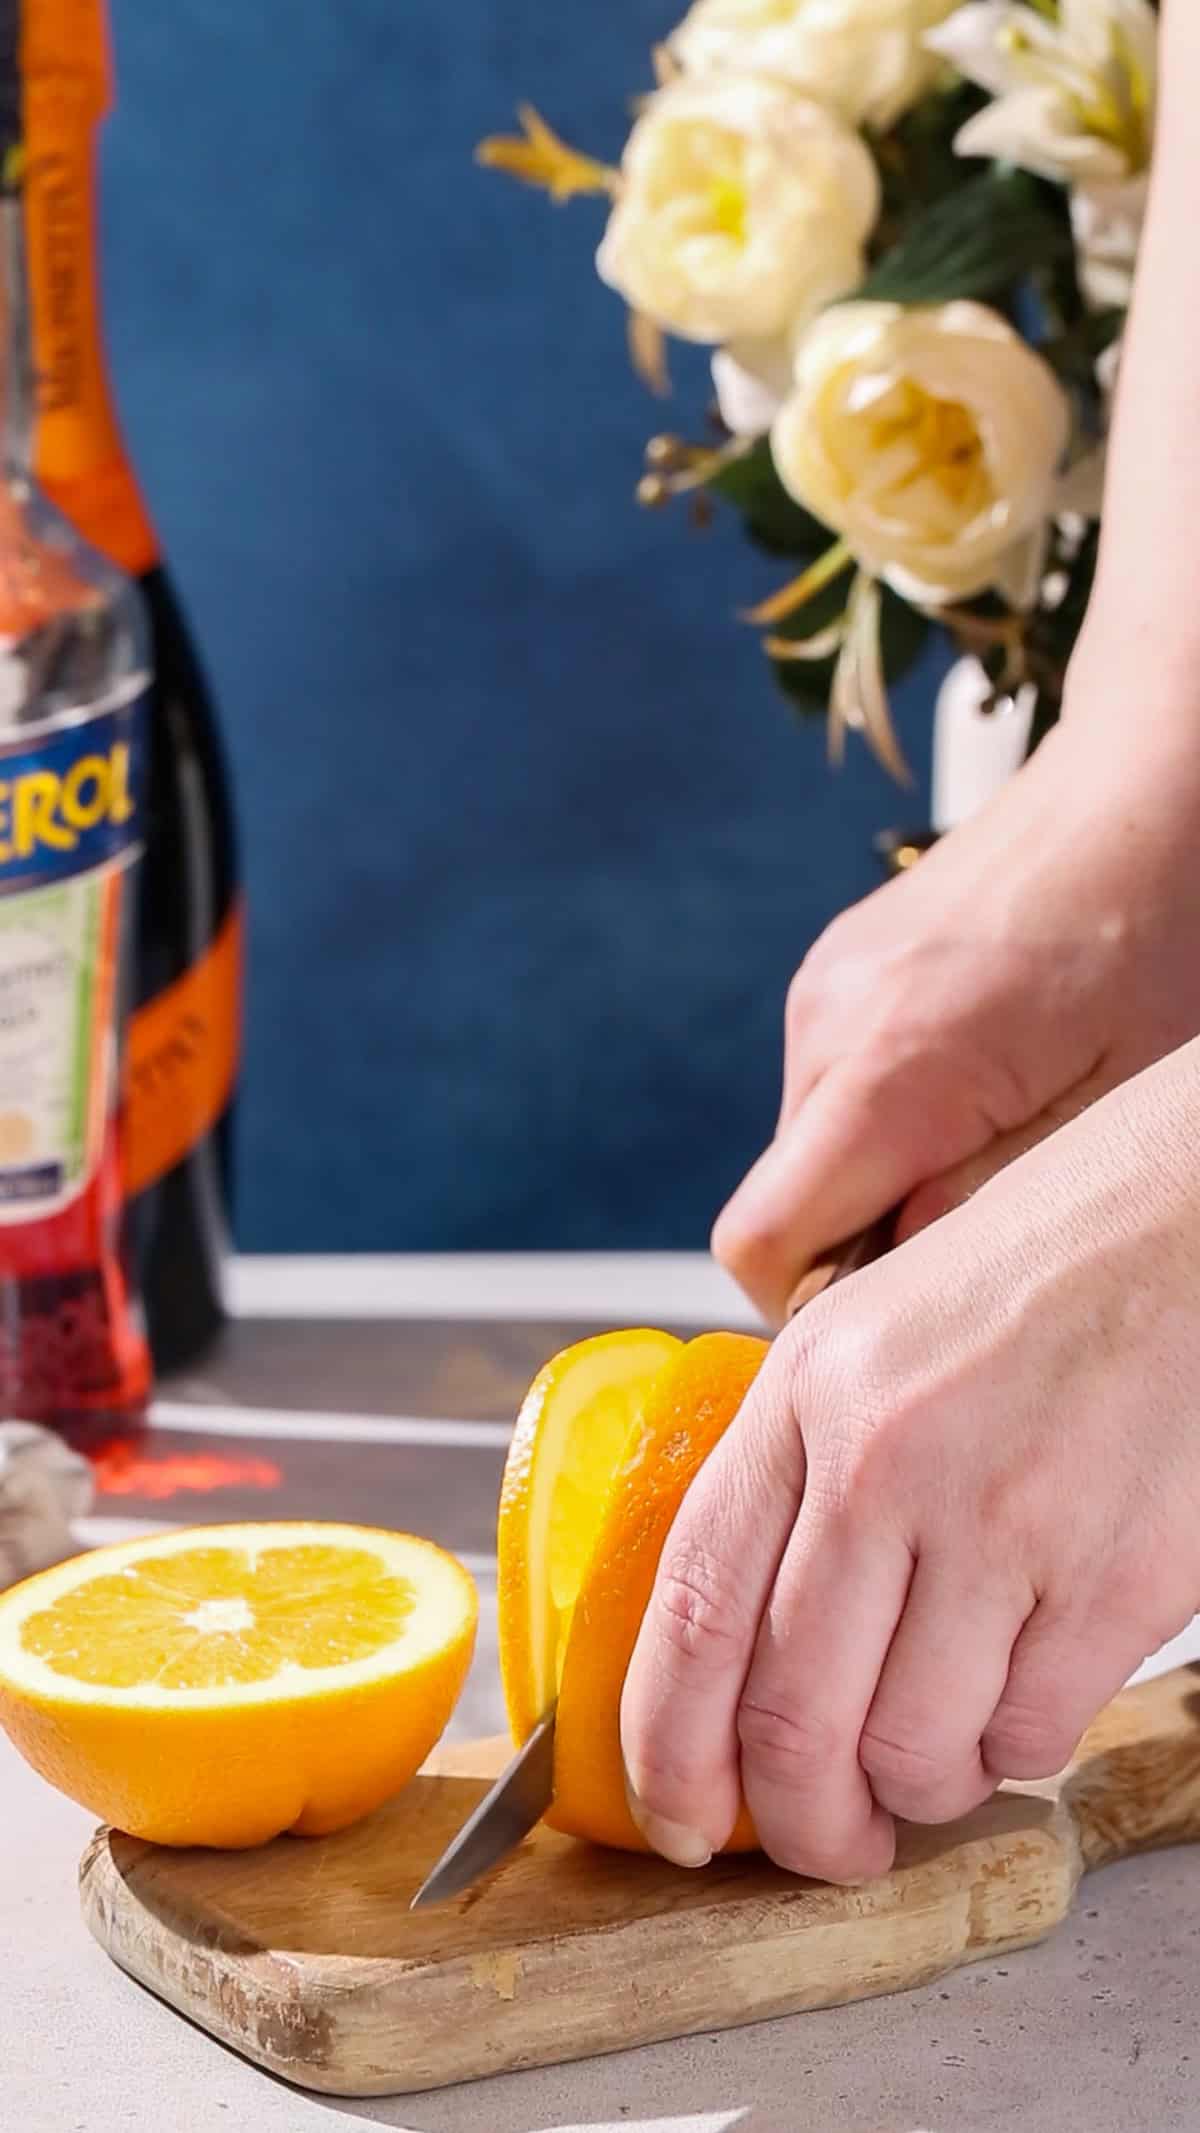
{"points": [[802, 589]]}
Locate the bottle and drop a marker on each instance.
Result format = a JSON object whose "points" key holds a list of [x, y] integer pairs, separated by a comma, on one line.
{"points": [[184, 1036], [73, 703]]}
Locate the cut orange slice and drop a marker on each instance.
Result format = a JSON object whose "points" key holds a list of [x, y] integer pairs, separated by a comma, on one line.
{"points": [[219, 1686], [573, 1426], [610, 1436]]}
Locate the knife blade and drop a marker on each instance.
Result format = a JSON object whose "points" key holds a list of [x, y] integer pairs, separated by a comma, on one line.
{"points": [[522, 1793], [514, 1805]]}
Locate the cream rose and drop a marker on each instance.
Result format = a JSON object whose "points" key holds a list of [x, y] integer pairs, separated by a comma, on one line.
{"points": [[864, 57], [743, 208], [929, 439]]}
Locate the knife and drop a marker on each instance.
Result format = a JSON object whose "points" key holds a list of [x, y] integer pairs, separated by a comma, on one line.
{"points": [[858, 1251], [514, 1805], [521, 1794]]}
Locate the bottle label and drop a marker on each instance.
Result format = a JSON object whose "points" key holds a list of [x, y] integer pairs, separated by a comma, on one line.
{"points": [[69, 828], [181, 1060], [70, 797]]}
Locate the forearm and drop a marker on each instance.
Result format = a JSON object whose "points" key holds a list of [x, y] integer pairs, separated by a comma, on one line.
{"points": [[1138, 659]]}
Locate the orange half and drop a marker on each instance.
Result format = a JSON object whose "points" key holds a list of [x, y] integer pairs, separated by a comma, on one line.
{"points": [[221, 1685]]}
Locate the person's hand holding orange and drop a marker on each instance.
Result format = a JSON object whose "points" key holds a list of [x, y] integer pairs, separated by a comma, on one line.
{"points": [[959, 1506], [961, 1501]]}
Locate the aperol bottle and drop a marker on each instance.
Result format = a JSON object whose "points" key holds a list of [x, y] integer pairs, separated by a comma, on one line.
{"points": [[185, 1029], [73, 698]]}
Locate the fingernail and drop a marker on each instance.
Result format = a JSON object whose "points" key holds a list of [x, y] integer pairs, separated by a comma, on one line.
{"points": [[671, 1840]]}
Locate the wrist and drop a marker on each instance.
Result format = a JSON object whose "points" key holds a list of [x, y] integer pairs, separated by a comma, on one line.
{"points": [[1131, 715]]}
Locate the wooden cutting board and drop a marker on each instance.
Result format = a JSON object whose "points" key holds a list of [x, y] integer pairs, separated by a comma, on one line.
{"points": [[304, 1956]]}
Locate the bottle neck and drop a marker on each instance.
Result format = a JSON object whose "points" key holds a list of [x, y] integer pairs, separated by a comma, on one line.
{"points": [[79, 454], [69, 628], [17, 404]]}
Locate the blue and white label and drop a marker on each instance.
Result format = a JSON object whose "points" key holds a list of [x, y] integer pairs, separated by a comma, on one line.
{"points": [[71, 800], [70, 822]]}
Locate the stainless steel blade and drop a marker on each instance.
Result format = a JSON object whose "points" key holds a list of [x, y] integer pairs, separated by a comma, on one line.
{"points": [[515, 1805]]}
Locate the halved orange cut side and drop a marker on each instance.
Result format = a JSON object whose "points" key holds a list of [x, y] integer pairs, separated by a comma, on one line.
{"points": [[222, 1685]]}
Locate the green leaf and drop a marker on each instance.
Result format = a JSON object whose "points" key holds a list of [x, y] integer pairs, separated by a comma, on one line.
{"points": [[772, 519], [987, 235], [1075, 352], [917, 159]]}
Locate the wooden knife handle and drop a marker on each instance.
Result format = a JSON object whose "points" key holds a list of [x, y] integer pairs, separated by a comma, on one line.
{"points": [[1134, 1786], [858, 1251]]}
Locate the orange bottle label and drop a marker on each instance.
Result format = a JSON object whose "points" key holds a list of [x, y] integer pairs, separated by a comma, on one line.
{"points": [[181, 1060], [80, 460]]}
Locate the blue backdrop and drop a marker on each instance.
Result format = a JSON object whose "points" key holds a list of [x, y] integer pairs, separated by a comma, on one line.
{"points": [[532, 847]]}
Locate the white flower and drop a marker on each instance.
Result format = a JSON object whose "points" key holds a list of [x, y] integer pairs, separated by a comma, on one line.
{"points": [[1075, 93], [752, 380], [864, 57], [1107, 222], [929, 439], [743, 208]]}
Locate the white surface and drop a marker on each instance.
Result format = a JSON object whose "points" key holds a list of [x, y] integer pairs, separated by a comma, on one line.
{"points": [[626, 1288], [190, 1418]]}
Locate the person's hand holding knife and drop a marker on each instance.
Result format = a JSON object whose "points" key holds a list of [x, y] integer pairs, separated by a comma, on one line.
{"points": [[962, 1501]]}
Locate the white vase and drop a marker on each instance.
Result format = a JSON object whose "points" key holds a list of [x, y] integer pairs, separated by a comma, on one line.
{"points": [[978, 742]]}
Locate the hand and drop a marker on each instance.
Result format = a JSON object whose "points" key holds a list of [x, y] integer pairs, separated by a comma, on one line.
{"points": [[1040, 955], [960, 1506]]}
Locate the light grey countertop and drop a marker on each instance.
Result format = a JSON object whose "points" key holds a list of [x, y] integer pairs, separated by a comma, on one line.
{"points": [[1093, 2032]]}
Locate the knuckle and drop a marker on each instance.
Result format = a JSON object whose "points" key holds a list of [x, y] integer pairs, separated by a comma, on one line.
{"points": [[898, 1766], [661, 1779], [1147, 1603], [916, 1785], [1026, 1741], [739, 1240], [834, 944], [808, 1358], [816, 1862], [801, 994], [750, 1240], [700, 1617], [1011, 1507], [852, 1854], [851, 1436], [850, 1477], [827, 1357], [789, 1747]]}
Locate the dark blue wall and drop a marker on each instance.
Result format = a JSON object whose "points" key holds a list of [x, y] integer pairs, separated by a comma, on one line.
{"points": [[531, 845]]}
